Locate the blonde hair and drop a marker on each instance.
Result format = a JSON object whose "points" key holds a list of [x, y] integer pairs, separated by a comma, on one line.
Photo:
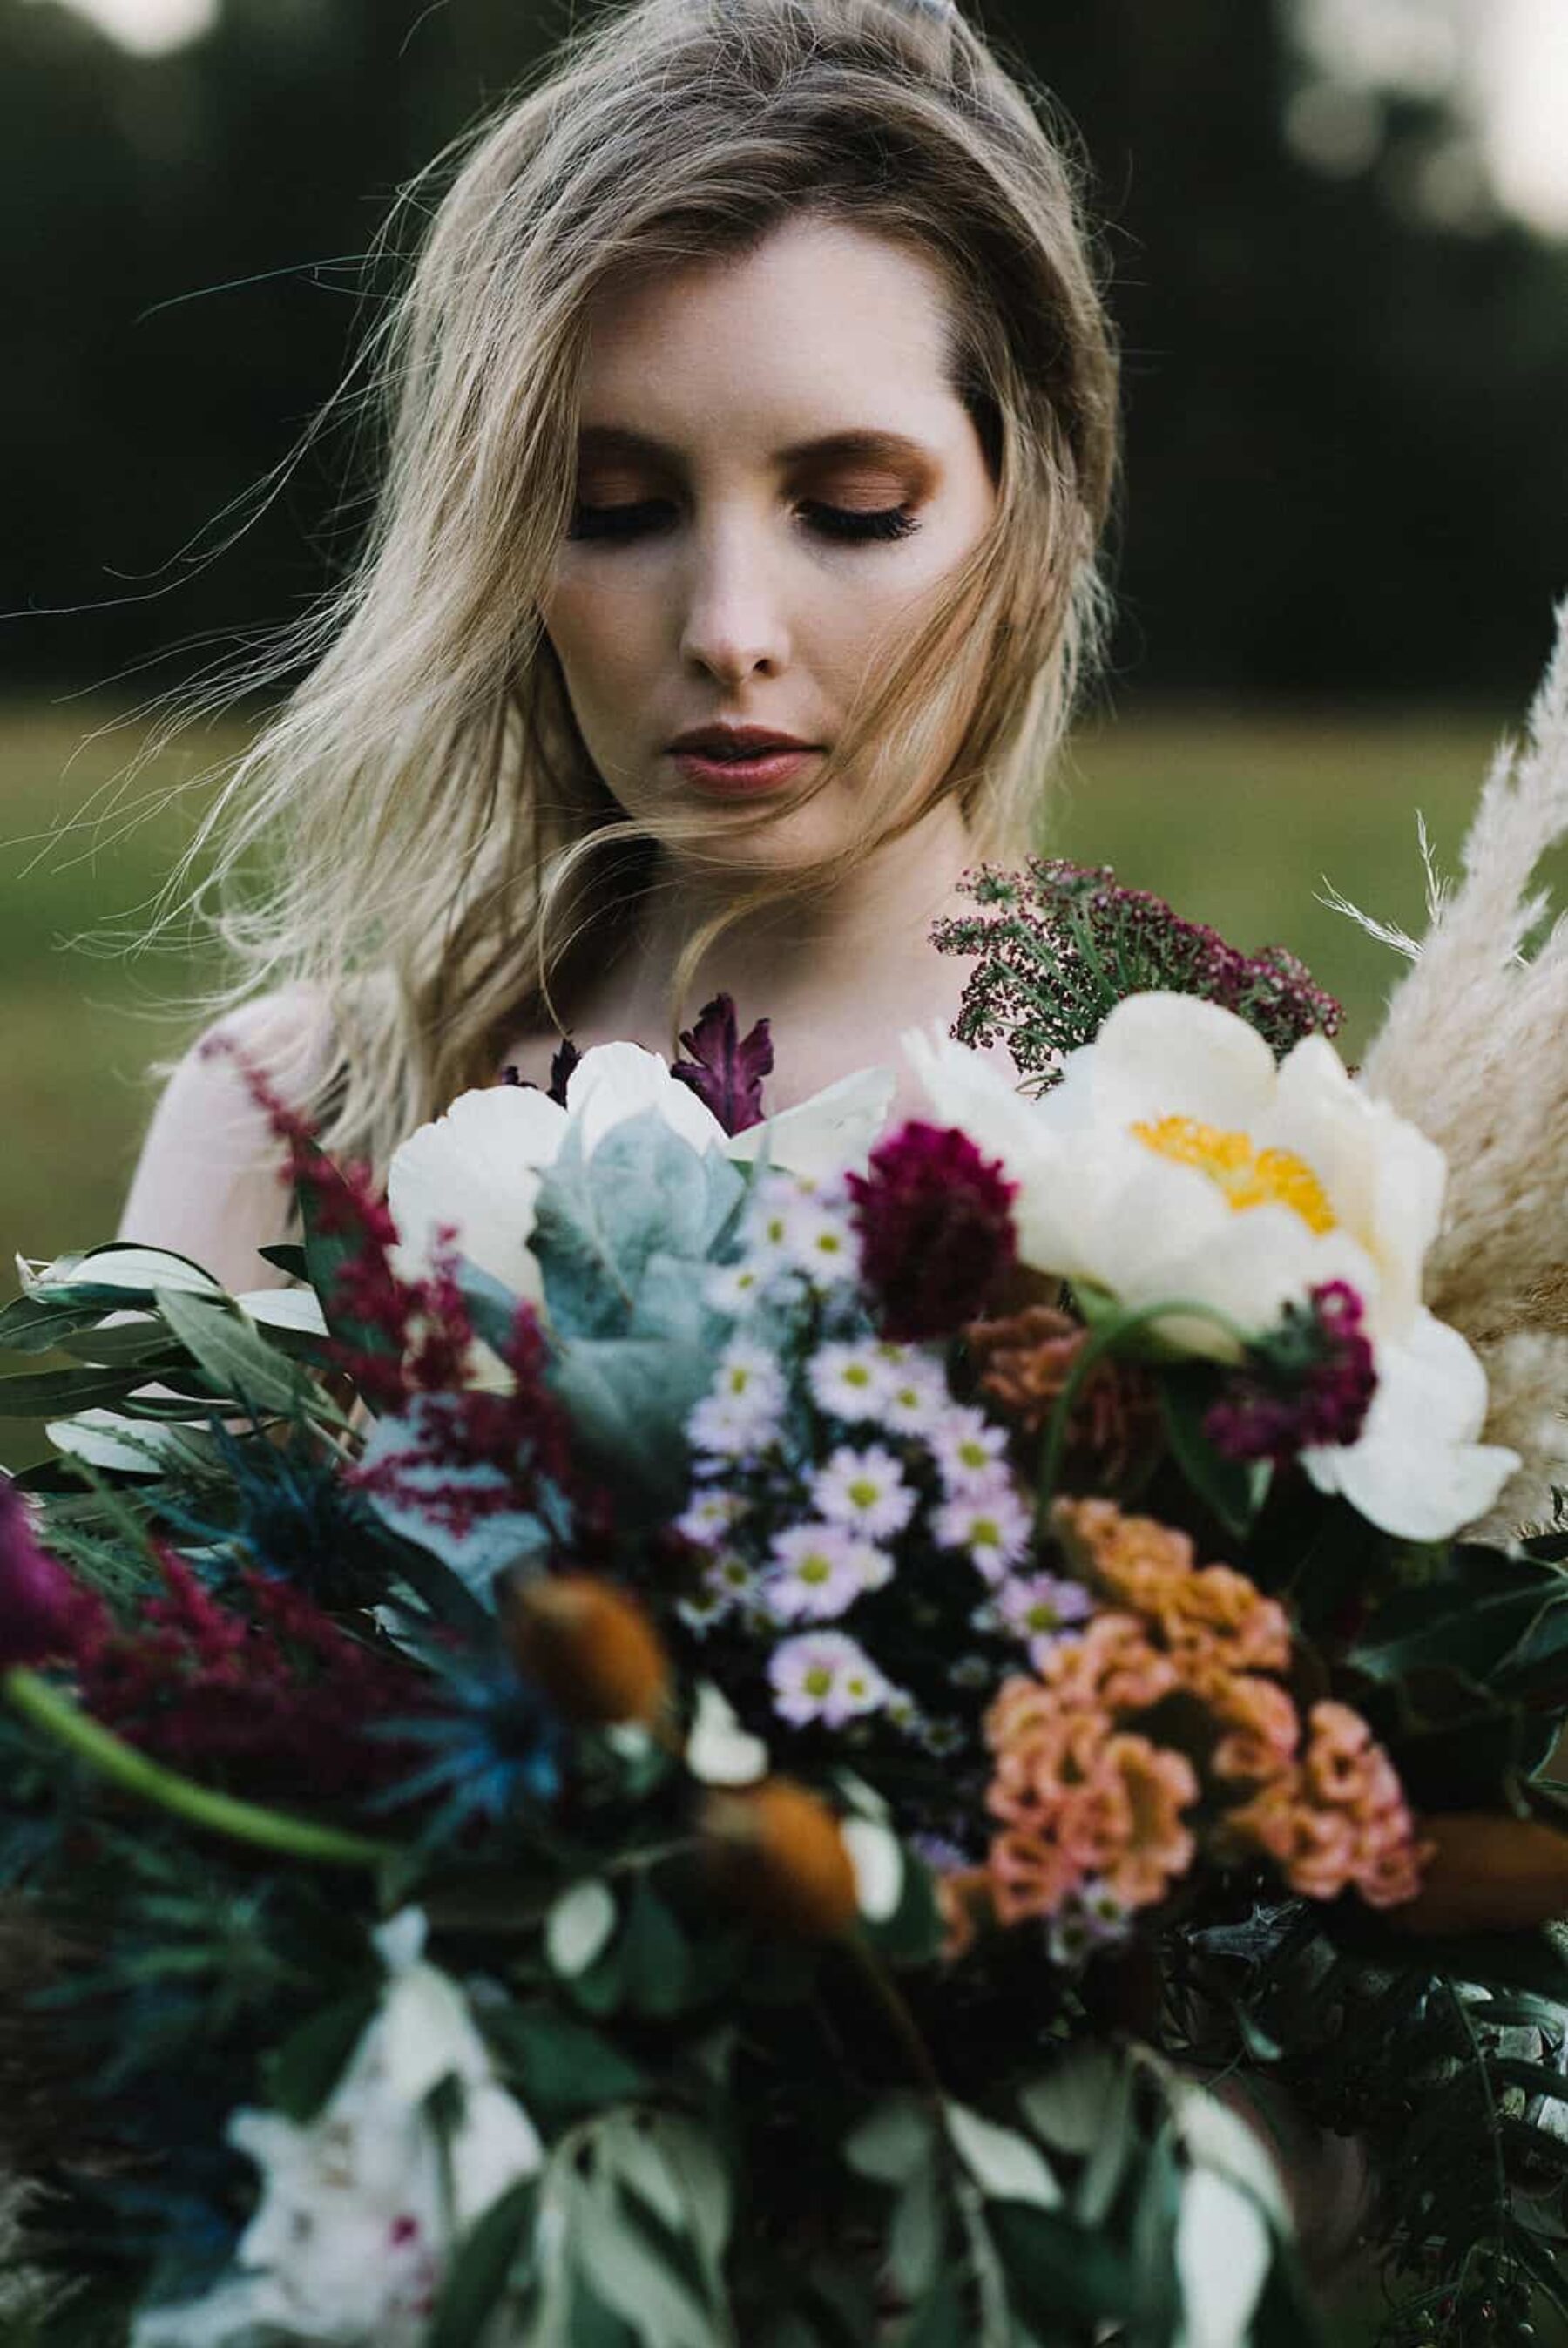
{"points": [[437, 849]]}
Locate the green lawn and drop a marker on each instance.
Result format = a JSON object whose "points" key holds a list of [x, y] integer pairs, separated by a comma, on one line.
{"points": [[1237, 818]]}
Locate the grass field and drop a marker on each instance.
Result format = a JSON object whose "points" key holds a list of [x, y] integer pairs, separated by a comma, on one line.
{"points": [[1237, 818]]}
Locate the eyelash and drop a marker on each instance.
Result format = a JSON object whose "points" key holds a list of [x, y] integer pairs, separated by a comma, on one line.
{"points": [[841, 523]]}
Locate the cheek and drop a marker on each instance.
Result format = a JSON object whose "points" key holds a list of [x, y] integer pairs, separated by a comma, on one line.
{"points": [[602, 637]]}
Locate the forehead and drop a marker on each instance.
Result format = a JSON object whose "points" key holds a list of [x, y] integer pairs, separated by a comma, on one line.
{"points": [[819, 322]]}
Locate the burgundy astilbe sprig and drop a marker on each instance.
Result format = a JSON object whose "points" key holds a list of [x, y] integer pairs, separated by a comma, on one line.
{"points": [[275, 1698], [393, 1336], [936, 1227], [43, 1611], [477, 1452], [1061, 944], [1310, 1381], [726, 1069]]}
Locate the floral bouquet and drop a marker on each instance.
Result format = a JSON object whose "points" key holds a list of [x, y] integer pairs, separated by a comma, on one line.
{"points": [[727, 1729]]}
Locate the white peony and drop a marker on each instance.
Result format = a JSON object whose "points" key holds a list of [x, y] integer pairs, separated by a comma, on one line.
{"points": [[478, 1165], [360, 2209], [1174, 1160]]}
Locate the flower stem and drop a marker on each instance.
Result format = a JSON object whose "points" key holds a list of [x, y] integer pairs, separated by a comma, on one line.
{"points": [[905, 2029], [1100, 1341], [48, 1709]]}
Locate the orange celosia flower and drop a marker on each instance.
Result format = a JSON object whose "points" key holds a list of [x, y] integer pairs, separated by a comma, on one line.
{"points": [[1223, 1616], [1339, 1817], [964, 1897], [1210, 1617], [1139, 1792], [1262, 1731], [1133, 1559], [591, 1647], [1029, 1876], [1111, 1666], [1036, 1771]]}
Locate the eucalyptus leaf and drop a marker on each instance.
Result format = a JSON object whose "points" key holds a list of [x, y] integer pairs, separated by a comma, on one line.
{"points": [[561, 2064], [1003, 2164], [578, 1924], [233, 1353], [917, 2237], [891, 2141], [482, 2267]]}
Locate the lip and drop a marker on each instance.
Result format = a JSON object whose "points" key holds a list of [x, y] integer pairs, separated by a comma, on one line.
{"points": [[724, 738], [730, 778]]}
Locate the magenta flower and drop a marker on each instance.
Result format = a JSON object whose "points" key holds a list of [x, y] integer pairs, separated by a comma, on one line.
{"points": [[1310, 1381], [936, 1227], [41, 1608]]}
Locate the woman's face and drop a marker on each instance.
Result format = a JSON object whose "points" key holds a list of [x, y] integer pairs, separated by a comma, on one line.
{"points": [[718, 565]]}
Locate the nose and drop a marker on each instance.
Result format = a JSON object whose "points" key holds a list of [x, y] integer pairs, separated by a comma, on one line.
{"points": [[733, 624]]}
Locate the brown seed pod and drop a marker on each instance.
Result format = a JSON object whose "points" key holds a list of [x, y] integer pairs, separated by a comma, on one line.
{"points": [[775, 1851], [1487, 1873], [589, 1646]]}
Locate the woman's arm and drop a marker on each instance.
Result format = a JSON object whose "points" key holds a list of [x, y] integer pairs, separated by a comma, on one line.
{"points": [[208, 1182]]}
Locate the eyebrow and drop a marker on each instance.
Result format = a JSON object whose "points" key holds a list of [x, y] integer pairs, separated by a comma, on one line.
{"points": [[876, 446]]}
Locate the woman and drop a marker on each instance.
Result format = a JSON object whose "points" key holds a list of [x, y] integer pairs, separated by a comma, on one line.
{"points": [[753, 374]]}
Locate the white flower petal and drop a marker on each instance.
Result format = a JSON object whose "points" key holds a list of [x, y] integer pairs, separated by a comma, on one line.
{"points": [[1164, 1055], [616, 1081], [1417, 1470], [478, 1166], [834, 1130]]}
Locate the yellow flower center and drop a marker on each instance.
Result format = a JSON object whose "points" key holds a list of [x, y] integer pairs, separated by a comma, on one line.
{"points": [[1248, 1176]]}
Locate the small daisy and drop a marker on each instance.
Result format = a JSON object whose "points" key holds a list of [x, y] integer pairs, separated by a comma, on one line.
{"points": [[941, 1735], [708, 1516], [704, 1608], [740, 1415], [824, 1676], [1039, 1607], [821, 1242], [940, 1852], [816, 1572], [848, 1382], [901, 1711], [865, 1489], [917, 1399], [734, 1288], [970, 1672], [991, 1523], [966, 1446], [1089, 1919]]}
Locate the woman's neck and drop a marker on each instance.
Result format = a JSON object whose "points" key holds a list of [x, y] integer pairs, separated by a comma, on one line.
{"points": [[863, 937]]}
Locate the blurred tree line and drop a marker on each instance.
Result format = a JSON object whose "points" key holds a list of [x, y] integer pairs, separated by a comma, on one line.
{"points": [[1347, 416]]}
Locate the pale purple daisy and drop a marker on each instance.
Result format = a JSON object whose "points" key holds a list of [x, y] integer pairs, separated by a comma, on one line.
{"points": [[816, 1572], [991, 1523], [966, 1446], [725, 1584], [865, 1489], [734, 1288], [916, 1398], [821, 1242], [824, 1676], [1039, 1607], [709, 1515], [1089, 1919], [740, 1415], [848, 1382]]}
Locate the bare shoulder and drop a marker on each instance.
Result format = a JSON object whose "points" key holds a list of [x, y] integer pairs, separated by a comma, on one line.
{"points": [[210, 1180]]}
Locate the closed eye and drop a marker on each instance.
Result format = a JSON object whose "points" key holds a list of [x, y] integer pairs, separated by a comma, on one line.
{"points": [[840, 522]]}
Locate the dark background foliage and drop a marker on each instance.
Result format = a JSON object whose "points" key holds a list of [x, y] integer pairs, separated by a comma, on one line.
{"points": [[1346, 412]]}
